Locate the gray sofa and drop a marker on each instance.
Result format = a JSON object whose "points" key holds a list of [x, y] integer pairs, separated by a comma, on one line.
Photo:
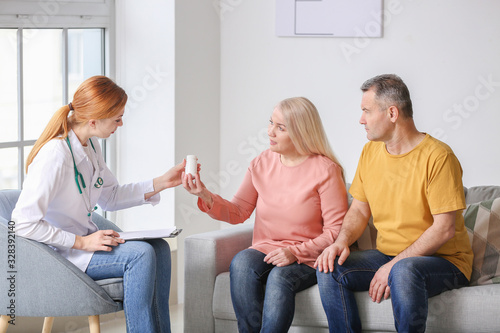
{"points": [[208, 306]]}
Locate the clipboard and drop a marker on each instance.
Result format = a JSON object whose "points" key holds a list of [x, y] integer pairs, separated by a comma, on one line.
{"points": [[150, 234]]}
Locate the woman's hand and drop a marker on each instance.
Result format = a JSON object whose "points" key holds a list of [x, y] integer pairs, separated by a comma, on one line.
{"points": [[196, 187], [101, 240], [280, 257]]}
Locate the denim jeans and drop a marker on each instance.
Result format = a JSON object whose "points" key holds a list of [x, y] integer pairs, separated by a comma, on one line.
{"points": [[145, 267], [412, 281], [263, 295]]}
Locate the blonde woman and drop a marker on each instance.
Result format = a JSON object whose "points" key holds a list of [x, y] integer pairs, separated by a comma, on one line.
{"points": [[67, 177], [297, 189]]}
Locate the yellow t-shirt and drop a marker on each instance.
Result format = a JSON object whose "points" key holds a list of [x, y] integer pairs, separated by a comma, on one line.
{"points": [[404, 191]]}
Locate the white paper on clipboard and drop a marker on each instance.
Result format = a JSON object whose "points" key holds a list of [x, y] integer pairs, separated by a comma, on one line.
{"points": [[150, 234]]}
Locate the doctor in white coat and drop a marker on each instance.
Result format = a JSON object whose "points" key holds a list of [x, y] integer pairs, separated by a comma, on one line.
{"points": [[67, 177]]}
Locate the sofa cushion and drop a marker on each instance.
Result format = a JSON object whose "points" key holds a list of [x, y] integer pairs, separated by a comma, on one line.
{"points": [[481, 193], [113, 287], [451, 311], [309, 313], [482, 221]]}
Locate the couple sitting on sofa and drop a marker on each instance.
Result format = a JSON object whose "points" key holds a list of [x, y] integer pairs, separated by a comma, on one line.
{"points": [[408, 181]]}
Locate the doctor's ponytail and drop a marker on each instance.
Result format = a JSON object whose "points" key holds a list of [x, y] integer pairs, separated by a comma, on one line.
{"points": [[57, 125], [98, 97]]}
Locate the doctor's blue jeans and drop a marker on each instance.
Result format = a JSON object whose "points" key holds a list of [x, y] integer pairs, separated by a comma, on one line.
{"points": [[145, 267], [412, 281], [263, 295]]}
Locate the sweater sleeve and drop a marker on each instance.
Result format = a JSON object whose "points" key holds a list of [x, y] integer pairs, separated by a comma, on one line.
{"points": [[333, 197], [239, 209]]}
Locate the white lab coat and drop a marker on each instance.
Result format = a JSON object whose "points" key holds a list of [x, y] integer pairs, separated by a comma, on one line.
{"points": [[50, 208]]}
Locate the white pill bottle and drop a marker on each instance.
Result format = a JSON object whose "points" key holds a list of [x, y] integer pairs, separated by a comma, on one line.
{"points": [[191, 165]]}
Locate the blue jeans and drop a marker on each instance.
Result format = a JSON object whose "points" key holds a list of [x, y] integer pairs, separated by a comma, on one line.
{"points": [[263, 295], [412, 281], [145, 267]]}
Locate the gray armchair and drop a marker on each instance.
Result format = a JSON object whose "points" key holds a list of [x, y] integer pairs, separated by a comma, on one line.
{"points": [[45, 284]]}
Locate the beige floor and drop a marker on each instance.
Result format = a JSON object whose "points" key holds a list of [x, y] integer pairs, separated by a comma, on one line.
{"points": [[110, 323]]}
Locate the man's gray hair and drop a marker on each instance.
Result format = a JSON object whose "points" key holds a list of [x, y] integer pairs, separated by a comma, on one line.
{"points": [[390, 90]]}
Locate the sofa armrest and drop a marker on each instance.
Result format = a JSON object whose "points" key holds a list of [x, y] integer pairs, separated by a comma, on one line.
{"points": [[207, 255]]}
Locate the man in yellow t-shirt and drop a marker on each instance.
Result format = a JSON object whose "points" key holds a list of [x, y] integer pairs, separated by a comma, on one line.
{"points": [[411, 183]]}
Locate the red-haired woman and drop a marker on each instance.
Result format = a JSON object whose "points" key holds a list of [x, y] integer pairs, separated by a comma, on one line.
{"points": [[67, 177]]}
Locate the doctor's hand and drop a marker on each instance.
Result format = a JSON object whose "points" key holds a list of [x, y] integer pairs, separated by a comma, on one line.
{"points": [[169, 179], [172, 177], [101, 240], [195, 186]]}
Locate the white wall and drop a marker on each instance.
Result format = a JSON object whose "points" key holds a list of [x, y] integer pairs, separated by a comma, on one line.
{"points": [[197, 94], [168, 55], [442, 49], [225, 73], [145, 69]]}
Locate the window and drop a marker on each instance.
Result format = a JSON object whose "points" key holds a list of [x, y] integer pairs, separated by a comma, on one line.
{"points": [[47, 51], [41, 69]]}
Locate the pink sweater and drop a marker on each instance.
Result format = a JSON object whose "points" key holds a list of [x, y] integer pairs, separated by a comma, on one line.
{"points": [[300, 207]]}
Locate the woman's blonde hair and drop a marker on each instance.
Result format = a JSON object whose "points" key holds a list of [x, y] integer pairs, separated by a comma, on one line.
{"points": [[305, 128], [98, 97]]}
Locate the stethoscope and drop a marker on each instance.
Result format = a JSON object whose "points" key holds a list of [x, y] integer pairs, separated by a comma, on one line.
{"points": [[79, 177]]}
